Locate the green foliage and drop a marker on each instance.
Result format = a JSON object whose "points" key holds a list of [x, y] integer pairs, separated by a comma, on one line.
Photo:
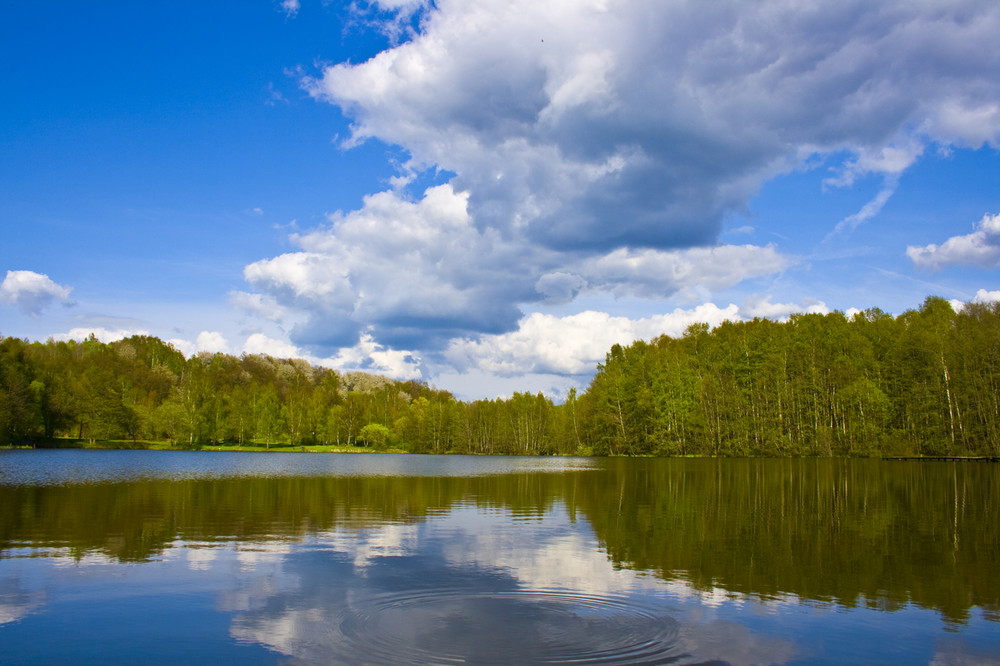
{"points": [[926, 382], [375, 435]]}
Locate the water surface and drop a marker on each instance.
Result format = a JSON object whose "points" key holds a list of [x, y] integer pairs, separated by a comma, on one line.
{"points": [[169, 556]]}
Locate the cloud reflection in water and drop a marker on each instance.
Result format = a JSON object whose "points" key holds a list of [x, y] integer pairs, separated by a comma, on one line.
{"points": [[474, 585]]}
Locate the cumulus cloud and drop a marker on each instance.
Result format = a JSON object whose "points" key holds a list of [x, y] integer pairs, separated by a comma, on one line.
{"points": [[980, 248], [105, 335], [185, 347], [984, 296], [372, 357], [758, 306], [32, 292], [659, 273], [212, 341], [410, 272], [258, 343], [601, 147], [629, 125], [567, 345], [575, 344], [259, 305], [416, 274], [367, 355], [891, 160]]}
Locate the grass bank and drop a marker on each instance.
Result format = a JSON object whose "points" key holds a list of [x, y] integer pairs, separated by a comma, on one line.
{"points": [[152, 445]]}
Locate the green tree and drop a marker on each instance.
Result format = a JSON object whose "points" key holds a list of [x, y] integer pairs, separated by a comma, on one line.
{"points": [[375, 435]]}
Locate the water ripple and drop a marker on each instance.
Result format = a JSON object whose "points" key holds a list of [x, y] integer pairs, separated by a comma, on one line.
{"points": [[454, 626]]}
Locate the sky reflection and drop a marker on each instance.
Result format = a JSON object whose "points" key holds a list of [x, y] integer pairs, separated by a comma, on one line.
{"points": [[476, 584], [519, 567]]}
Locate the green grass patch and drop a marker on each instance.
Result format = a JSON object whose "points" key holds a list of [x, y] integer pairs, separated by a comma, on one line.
{"points": [[155, 445]]}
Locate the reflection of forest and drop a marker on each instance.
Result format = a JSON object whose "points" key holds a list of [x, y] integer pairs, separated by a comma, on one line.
{"points": [[847, 532], [828, 530]]}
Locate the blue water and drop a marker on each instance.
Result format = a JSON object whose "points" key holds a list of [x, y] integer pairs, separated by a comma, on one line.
{"points": [[50, 467], [317, 558]]}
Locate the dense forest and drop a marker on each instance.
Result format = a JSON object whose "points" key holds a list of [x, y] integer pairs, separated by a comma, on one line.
{"points": [[925, 382]]}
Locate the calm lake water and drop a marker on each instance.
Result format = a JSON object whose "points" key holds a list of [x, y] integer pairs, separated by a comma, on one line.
{"points": [[163, 557]]}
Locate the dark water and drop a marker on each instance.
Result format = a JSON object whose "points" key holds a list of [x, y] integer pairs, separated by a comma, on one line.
{"points": [[162, 557]]}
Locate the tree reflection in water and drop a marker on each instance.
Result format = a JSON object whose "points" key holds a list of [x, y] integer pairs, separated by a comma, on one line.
{"points": [[631, 559]]}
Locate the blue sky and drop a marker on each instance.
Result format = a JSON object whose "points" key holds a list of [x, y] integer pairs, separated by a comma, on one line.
{"points": [[487, 195]]}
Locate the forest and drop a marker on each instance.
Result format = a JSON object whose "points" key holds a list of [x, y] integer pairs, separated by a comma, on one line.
{"points": [[922, 383]]}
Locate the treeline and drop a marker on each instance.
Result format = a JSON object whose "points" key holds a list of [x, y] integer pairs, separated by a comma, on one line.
{"points": [[925, 382], [142, 389]]}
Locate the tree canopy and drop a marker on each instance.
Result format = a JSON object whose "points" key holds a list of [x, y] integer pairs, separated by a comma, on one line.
{"points": [[925, 382]]}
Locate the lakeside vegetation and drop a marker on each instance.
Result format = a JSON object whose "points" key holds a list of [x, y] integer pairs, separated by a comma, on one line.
{"points": [[924, 383], [166, 445]]}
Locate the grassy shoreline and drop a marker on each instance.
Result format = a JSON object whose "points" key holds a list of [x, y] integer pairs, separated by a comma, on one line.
{"points": [[150, 445]]}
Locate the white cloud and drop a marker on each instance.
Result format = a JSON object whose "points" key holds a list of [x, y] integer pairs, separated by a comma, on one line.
{"points": [[290, 7], [367, 355], [868, 211], [575, 344], [984, 296], [890, 160], [212, 341], [659, 273], [980, 248], [258, 343], [644, 126], [259, 305], [406, 6], [372, 357], [416, 274], [32, 292], [757, 306], [409, 270], [185, 347], [470, 384], [105, 335], [601, 149], [976, 123], [301, 276], [207, 341], [393, 18]]}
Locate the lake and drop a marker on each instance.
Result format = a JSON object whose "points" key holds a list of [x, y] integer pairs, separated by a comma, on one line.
{"points": [[164, 557]]}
